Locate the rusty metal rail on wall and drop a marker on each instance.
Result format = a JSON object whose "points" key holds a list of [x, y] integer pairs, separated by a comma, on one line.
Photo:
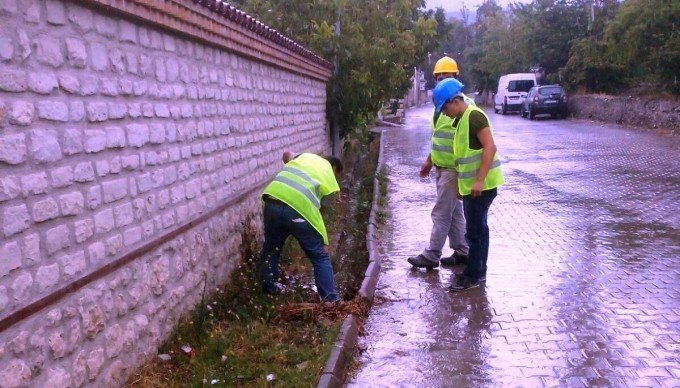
{"points": [[219, 24], [25, 312]]}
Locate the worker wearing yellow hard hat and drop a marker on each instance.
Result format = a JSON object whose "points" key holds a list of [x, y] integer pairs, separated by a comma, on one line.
{"points": [[448, 219]]}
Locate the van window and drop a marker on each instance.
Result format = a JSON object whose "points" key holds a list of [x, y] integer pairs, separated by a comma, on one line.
{"points": [[520, 85]]}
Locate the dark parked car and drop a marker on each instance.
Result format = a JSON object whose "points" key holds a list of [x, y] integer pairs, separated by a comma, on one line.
{"points": [[543, 99]]}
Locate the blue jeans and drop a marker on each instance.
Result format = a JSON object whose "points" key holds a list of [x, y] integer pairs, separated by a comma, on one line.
{"points": [[281, 221], [477, 231]]}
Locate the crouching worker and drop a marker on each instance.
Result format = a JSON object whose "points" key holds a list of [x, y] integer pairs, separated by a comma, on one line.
{"points": [[292, 206], [479, 174]]}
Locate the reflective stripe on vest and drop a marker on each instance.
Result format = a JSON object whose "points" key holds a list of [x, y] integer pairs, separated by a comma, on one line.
{"points": [[443, 132], [307, 178], [302, 189], [469, 160], [441, 149]]}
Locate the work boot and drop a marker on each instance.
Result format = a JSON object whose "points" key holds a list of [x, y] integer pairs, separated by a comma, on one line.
{"points": [[463, 282], [455, 259], [421, 261]]}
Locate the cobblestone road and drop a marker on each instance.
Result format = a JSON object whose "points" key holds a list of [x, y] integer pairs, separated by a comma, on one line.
{"points": [[583, 283]]}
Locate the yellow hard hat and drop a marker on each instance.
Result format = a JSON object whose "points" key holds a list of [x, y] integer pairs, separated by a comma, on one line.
{"points": [[445, 65]]}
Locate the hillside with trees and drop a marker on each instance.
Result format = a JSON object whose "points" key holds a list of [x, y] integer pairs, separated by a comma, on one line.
{"points": [[587, 45]]}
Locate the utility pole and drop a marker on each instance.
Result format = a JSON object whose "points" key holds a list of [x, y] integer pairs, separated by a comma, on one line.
{"points": [[336, 147]]}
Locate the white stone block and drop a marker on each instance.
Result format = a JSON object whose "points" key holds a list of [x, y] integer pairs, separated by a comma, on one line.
{"points": [[53, 110], [45, 146], [47, 277], [99, 57], [130, 162], [124, 215], [13, 80], [21, 113], [104, 221], [115, 190], [77, 111], [97, 111], [73, 264], [117, 60], [84, 230], [62, 176], [57, 238], [106, 26], [56, 14], [13, 148], [89, 85], [73, 141], [49, 51], [157, 133], [94, 197], [76, 52], [95, 141], [138, 134], [11, 257], [16, 219], [132, 236], [41, 83], [109, 87], [69, 83], [31, 249], [72, 203], [80, 16], [6, 48], [44, 210], [21, 286], [83, 172], [16, 373], [114, 245], [96, 253]]}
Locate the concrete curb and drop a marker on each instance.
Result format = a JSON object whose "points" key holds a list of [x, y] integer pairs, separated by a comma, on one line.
{"points": [[335, 372]]}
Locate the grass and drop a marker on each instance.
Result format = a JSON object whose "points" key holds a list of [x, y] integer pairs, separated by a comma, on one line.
{"points": [[241, 337]]}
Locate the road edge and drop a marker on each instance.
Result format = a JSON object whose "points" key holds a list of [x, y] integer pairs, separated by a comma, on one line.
{"points": [[335, 372]]}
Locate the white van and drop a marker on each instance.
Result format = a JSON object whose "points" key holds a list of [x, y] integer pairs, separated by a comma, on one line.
{"points": [[512, 89]]}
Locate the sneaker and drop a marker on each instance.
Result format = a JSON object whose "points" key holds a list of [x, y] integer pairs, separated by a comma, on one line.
{"points": [[455, 259], [463, 283], [421, 261], [273, 289]]}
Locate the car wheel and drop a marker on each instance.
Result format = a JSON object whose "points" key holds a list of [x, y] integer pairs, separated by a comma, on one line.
{"points": [[504, 109], [563, 115], [523, 113], [552, 115], [531, 114]]}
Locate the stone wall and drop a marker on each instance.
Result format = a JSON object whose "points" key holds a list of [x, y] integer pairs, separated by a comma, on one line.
{"points": [[134, 143], [645, 112]]}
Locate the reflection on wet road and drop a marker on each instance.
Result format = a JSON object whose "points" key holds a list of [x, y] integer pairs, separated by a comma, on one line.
{"points": [[583, 285]]}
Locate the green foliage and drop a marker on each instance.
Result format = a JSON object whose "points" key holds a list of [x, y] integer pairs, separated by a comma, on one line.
{"points": [[374, 45], [644, 38]]}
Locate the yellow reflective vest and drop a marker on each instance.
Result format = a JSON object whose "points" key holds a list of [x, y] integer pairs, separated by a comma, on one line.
{"points": [[468, 161], [302, 183], [441, 148]]}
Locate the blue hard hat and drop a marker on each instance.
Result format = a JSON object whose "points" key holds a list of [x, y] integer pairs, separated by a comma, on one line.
{"points": [[444, 91]]}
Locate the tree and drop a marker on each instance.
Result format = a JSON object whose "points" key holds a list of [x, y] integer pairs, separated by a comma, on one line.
{"points": [[379, 43]]}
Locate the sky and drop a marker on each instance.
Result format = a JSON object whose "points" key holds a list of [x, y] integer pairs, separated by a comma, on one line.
{"points": [[457, 5]]}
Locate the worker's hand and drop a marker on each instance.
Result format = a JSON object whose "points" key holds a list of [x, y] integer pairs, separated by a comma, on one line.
{"points": [[287, 156], [477, 187], [425, 168]]}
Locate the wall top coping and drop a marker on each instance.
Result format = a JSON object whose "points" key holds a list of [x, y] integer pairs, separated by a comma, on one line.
{"points": [[218, 23]]}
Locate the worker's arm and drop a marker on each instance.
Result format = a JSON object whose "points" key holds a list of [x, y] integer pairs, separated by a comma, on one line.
{"points": [[488, 152], [426, 167]]}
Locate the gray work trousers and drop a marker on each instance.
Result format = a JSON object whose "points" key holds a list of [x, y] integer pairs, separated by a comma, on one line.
{"points": [[448, 219]]}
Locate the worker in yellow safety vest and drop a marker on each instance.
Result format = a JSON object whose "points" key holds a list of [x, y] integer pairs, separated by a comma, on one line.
{"points": [[479, 174], [292, 206], [448, 219]]}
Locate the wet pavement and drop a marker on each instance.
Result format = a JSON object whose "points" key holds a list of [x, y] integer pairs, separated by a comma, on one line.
{"points": [[583, 285]]}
